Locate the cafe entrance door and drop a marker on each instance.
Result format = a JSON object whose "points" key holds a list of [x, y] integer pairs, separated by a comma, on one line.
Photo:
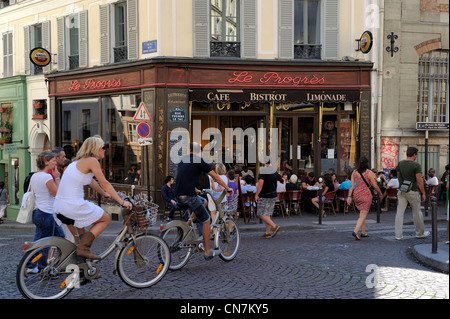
{"points": [[297, 144]]}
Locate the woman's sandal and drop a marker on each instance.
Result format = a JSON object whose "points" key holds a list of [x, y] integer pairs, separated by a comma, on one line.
{"points": [[356, 236], [364, 235]]}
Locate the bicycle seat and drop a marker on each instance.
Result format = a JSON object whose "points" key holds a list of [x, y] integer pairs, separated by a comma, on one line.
{"points": [[65, 220]]}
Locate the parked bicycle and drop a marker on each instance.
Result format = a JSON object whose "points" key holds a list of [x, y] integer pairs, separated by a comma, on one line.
{"points": [[141, 261], [184, 241]]}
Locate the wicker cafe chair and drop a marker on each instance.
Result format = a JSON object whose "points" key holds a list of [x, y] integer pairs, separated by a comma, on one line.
{"points": [[249, 198], [329, 201], [342, 195], [294, 201]]}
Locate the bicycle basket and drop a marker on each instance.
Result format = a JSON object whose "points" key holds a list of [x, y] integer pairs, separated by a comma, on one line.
{"points": [[146, 216]]}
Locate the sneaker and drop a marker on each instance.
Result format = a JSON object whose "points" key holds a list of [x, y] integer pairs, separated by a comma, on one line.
{"points": [[398, 238], [168, 219], [425, 234]]}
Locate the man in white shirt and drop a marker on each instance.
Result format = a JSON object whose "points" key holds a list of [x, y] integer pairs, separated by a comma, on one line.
{"points": [[393, 183]]}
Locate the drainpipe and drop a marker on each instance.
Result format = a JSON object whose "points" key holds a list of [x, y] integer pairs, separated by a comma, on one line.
{"points": [[380, 80]]}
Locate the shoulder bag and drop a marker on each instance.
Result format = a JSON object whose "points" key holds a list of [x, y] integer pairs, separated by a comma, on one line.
{"points": [[25, 215], [406, 185]]}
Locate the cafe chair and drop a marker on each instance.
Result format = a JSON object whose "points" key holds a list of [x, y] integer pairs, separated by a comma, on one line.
{"points": [[249, 198], [294, 201], [391, 195], [342, 195], [280, 204], [329, 201]]}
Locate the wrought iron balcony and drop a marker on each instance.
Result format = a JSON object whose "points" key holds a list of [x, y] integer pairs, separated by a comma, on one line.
{"points": [[73, 62], [225, 49], [307, 51], [120, 54]]}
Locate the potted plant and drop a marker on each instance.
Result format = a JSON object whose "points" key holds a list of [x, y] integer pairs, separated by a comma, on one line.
{"points": [[4, 140], [38, 104], [39, 116]]}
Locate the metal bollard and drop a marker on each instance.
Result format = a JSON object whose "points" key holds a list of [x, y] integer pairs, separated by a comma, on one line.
{"points": [[434, 225], [378, 208], [427, 200], [320, 205]]}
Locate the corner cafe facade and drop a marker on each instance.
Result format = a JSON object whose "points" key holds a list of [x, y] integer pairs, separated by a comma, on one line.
{"points": [[320, 109]]}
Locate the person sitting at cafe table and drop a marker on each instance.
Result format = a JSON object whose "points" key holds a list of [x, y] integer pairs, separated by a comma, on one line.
{"points": [[328, 186], [292, 184], [392, 183], [309, 181]]}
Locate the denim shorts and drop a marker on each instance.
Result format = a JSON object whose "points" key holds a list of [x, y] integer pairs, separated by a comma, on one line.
{"points": [[196, 205]]}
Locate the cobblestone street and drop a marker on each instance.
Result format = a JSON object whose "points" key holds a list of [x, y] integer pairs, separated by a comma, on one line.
{"points": [[313, 263]]}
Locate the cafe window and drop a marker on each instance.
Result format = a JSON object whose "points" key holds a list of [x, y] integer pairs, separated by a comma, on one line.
{"points": [[80, 119], [347, 143]]}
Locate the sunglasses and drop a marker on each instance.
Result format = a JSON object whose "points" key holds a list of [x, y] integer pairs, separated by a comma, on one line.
{"points": [[104, 148]]}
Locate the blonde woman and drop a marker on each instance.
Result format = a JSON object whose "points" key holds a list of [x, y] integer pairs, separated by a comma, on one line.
{"points": [[70, 200]]}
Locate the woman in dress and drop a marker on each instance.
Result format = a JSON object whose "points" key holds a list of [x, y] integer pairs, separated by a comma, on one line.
{"points": [[362, 195], [70, 200]]}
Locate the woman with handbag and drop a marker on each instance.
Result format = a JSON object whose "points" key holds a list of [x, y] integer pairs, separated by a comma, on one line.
{"points": [[362, 193]]}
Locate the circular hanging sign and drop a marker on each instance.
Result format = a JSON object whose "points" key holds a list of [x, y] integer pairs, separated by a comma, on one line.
{"points": [[365, 42], [40, 57], [143, 129]]}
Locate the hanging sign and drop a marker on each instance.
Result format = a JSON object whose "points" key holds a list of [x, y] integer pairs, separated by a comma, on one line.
{"points": [[365, 42], [40, 57], [142, 114]]}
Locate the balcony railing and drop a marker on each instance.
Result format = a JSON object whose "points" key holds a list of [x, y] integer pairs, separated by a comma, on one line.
{"points": [[120, 54], [225, 49], [307, 51], [73, 62]]}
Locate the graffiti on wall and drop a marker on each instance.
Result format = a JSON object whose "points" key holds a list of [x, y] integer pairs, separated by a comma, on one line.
{"points": [[389, 153]]}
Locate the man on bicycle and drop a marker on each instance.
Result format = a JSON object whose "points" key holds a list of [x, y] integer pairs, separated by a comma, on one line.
{"points": [[188, 173]]}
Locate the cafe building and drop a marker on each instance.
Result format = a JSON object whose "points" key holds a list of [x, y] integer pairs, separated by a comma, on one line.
{"points": [[320, 110]]}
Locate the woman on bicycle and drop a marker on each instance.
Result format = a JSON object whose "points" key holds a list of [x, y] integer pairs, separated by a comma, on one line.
{"points": [[70, 200]]}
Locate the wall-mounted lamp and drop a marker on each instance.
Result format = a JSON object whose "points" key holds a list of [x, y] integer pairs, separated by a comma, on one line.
{"points": [[392, 48]]}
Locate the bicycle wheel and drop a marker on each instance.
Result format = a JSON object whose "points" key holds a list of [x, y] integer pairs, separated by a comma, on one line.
{"points": [[228, 239], [179, 254], [43, 274], [139, 263]]}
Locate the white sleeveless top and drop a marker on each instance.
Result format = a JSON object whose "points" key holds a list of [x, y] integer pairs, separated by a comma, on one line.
{"points": [[69, 200]]}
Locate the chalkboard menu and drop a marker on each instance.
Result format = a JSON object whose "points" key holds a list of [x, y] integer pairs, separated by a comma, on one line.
{"points": [[172, 163]]}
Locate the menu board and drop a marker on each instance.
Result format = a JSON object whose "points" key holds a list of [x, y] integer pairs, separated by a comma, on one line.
{"points": [[172, 163]]}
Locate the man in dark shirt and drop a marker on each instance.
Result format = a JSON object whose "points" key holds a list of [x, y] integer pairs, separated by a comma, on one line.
{"points": [[308, 195], [168, 194], [189, 170]]}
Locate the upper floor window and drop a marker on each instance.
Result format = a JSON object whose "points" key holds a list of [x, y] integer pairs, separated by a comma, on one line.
{"points": [[433, 95], [72, 41], [36, 36], [225, 40], [307, 44], [119, 31], [7, 41]]}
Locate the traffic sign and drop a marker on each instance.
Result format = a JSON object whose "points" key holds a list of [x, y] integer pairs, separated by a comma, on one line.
{"points": [[143, 129], [142, 114], [432, 126], [145, 141]]}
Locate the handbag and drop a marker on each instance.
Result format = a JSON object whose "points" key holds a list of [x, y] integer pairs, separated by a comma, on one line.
{"points": [[25, 215], [406, 185]]}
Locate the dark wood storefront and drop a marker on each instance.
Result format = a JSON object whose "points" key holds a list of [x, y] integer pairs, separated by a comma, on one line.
{"points": [[294, 97]]}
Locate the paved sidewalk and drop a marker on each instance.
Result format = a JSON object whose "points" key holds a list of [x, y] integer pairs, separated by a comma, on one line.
{"points": [[423, 252]]}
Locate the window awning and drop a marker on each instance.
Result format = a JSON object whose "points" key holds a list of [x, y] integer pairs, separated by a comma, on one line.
{"points": [[277, 96]]}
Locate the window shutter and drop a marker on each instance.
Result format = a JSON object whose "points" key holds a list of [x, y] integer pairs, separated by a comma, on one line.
{"points": [[331, 29], [105, 15], [132, 23], [46, 43], [9, 59], [61, 60], [249, 34], [83, 40], [26, 48], [286, 29], [201, 28]]}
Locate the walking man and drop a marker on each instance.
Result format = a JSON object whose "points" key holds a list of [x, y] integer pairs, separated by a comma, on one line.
{"points": [[410, 170]]}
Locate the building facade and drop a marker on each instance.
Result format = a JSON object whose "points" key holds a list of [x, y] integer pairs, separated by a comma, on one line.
{"points": [[414, 82], [293, 66]]}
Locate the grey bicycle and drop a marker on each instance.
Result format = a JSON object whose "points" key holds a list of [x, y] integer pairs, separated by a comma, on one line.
{"points": [[50, 268], [183, 238]]}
